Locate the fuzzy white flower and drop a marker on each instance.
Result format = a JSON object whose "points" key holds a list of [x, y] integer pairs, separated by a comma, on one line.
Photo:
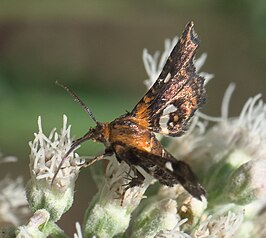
{"points": [[255, 228], [13, 204], [187, 206], [118, 175], [248, 182], [219, 150], [230, 157], [154, 63], [110, 212], [246, 133], [156, 216], [221, 227], [174, 233], [7, 159], [46, 155]]}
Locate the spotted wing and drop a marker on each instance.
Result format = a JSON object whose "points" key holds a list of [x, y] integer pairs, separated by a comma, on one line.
{"points": [[178, 92]]}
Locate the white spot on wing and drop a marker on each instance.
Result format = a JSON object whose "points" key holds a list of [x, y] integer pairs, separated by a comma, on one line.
{"points": [[163, 122], [169, 166], [167, 78], [171, 124], [165, 118], [170, 108], [164, 130], [152, 170]]}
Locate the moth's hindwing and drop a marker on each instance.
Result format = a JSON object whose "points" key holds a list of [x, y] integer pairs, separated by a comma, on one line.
{"points": [[167, 170]]}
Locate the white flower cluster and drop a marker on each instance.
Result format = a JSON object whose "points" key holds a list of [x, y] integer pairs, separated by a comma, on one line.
{"points": [[47, 153], [14, 208], [115, 201], [227, 154], [229, 157]]}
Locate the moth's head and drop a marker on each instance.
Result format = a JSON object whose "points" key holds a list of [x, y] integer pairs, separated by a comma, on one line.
{"points": [[100, 133]]}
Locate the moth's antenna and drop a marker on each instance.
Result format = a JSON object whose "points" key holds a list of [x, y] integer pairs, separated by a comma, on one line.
{"points": [[78, 100]]}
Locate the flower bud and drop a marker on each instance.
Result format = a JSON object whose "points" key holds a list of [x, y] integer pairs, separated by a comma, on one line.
{"points": [[247, 183], [156, 216], [36, 223]]}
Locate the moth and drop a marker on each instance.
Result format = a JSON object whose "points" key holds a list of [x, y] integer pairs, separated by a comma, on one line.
{"points": [[167, 108]]}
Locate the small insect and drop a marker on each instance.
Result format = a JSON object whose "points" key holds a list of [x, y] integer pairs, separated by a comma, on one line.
{"points": [[167, 108]]}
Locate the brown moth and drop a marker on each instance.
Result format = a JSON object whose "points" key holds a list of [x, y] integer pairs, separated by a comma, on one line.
{"points": [[167, 108]]}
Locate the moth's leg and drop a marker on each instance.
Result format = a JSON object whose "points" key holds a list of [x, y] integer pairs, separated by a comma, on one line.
{"points": [[137, 180], [108, 152], [128, 175], [124, 154], [92, 161]]}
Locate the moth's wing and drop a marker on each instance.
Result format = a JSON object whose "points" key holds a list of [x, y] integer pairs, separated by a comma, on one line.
{"points": [[168, 171], [170, 103]]}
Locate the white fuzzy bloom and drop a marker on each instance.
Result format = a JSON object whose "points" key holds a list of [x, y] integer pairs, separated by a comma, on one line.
{"points": [[154, 63], [230, 159], [198, 63], [237, 139], [110, 213], [7, 159], [174, 233], [156, 216], [221, 227], [255, 227], [248, 182], [187, 206], [117, 178], [189, 142], [14, 208], [47, 153], [246, 132]]}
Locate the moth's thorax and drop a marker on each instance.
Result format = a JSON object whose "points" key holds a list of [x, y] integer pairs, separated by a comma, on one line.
{"points": [[128, 131]]}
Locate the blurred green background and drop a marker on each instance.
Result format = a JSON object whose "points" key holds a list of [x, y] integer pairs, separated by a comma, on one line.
{"points": [[95, 47]]}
